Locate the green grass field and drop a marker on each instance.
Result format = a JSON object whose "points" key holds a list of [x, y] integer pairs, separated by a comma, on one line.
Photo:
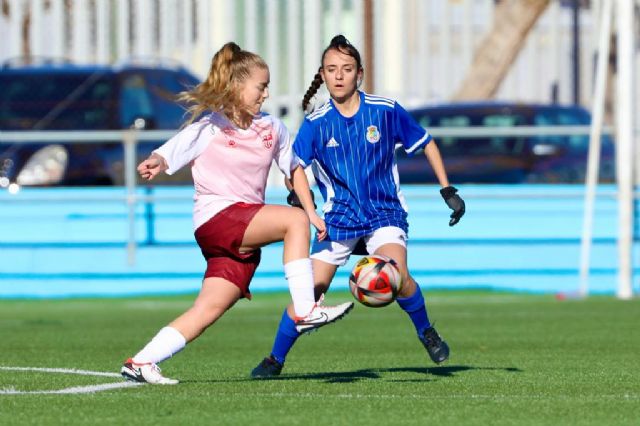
{"points": [[516, 359]]}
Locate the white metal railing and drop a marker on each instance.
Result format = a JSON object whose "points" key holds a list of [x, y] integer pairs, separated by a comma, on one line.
{"points": [[130, 139], [155, 135]]}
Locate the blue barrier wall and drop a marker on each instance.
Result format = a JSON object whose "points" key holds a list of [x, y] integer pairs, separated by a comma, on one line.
{"points": [[72, 242]]}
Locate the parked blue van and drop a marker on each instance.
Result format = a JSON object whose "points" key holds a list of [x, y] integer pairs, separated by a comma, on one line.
{"points": [[507, 159]]}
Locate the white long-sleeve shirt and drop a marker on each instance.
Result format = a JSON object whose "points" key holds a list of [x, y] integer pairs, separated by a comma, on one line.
{"points": [[229, 164]]}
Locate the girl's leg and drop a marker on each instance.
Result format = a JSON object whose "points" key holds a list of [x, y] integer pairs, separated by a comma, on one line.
{"points": [[287, 333], [290, 225], [412, 302], [216, 296], [323, 274], [410, 298], [274, 223]]}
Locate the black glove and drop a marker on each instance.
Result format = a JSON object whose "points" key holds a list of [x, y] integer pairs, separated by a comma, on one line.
{"points": [[294, 201], [454, 202]]}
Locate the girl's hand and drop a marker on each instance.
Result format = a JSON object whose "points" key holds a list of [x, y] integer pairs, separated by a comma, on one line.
{"points": [[151, 167], [454, 202], [321, 227]]}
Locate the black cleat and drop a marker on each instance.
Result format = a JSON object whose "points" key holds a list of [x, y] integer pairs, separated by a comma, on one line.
{"points": [[269, 367], [436, 347]]}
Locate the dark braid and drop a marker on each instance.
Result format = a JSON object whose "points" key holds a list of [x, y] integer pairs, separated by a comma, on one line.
{"points": [[341, 44], [315, 85]]}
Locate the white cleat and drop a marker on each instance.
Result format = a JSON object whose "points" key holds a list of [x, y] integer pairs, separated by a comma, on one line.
{"points": [[322, 315], [145, 373]]}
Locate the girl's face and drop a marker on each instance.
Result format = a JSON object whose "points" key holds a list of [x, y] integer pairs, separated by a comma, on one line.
{"points": [[341, 74], [255, 90]]}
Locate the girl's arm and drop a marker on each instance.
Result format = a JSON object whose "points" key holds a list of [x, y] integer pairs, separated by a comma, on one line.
{"points": [[432, 153], [300, 184], [447, 191]]}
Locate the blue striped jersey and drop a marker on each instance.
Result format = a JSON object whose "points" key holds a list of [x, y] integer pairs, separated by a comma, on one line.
{"points": [[353, 161]]}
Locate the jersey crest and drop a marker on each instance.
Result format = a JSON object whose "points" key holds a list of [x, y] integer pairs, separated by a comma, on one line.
{"points": [[267, 140], [373, 134]]}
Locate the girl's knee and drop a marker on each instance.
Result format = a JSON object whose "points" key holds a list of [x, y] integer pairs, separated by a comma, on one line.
{"points": [[301, 216], [298, 219]]}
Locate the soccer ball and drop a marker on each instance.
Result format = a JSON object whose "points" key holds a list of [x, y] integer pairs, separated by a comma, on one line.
{"points": [[375, 281]]}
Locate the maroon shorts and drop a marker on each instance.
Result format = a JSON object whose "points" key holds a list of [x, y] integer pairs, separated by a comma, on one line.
{"points": [[220, 239]]}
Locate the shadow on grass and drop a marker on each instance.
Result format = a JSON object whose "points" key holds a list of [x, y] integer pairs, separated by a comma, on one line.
{"points": [[423, 374]]}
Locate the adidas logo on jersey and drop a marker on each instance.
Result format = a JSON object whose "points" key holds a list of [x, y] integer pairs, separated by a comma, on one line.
{"points": [[332, 143]]}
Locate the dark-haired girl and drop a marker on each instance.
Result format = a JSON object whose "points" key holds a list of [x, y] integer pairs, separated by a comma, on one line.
{"points": [[350, 144]]}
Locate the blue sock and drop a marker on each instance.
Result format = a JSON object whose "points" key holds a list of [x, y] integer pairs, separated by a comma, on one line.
{"points": [[415, 307], [285, 338]]}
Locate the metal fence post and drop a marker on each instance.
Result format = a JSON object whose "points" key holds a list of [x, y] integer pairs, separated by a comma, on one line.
{"points": [[129, 139]]}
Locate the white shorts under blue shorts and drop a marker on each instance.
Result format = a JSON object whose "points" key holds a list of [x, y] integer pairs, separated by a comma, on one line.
{"points": [[338, 252]]}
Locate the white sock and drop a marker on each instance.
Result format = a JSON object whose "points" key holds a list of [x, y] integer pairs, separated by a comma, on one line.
{"points": [[299, 274], [164, 345]]}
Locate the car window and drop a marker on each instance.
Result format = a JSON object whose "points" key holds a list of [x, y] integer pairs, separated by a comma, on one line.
{"points": [[503, 120], [509, 145], [459, 147], [452, 145], [163, 89], [564, 117], [135, 100], [57, 102], [152, 94]]}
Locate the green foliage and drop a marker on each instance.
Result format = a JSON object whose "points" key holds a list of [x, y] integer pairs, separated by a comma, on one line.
{"points": [[516, 359]]}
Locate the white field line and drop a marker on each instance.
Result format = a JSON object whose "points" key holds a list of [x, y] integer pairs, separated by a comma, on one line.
{"points": [[72, 390], [61, 370]]}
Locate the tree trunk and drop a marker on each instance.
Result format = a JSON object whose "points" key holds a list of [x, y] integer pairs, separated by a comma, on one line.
{"points": [[513, 19]]}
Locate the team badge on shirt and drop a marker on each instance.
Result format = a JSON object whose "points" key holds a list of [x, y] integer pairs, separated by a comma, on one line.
{"points": [[267, 140], [373, 134]]}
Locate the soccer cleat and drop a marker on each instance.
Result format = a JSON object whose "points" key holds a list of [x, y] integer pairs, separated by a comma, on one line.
{"points": [[321, 315], [269, 367], [436, 347], [145, 373]]}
